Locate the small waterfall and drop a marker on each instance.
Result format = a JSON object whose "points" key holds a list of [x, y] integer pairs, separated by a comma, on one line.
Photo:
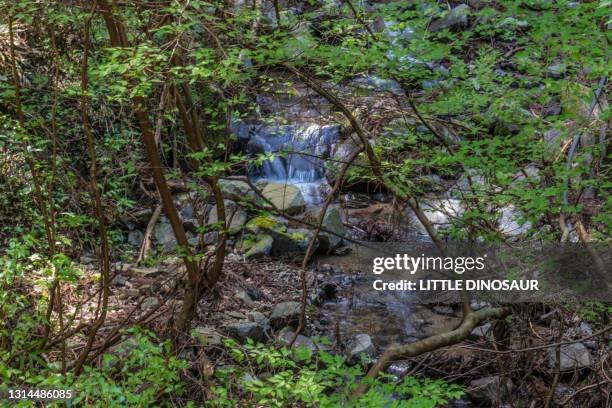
{"points": [[299, 154]]}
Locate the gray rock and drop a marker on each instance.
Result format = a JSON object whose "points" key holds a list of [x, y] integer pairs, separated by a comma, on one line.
{"points": [[482, 331], [332, 222], [119, 280], [491, 390], [262, 247], [511, 22], [258, 317], [244, 330], [235, 190], [87, 260], [444, 310], [211, 238], [135, 237], [285, 197], [556, 71], [285, 314], [456, 17], [149, 303], [235, 216], [286, 335], [510, 224], [144, 271], [359, 346], [573, 357], [207, 336], [244, 297], [291, 242], [164, 235]]}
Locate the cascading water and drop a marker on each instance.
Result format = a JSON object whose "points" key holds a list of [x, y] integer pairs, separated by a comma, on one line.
{"points": [[299, 152]]}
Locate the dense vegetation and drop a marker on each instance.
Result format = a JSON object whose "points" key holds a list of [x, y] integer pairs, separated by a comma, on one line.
{"points": [[116, 116]]}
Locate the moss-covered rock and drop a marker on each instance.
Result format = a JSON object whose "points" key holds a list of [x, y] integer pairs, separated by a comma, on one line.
{"points": [[260, 247]]}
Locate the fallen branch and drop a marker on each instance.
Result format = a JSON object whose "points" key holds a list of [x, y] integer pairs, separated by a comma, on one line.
{"points": [[402, 352], [146, 240]]}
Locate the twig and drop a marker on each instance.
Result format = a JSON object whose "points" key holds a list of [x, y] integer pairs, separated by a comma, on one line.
{"points": [[146, 240]]}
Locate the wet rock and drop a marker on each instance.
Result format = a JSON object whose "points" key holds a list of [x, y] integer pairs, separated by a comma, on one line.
{"points": [[235, 216], [246, 330], [573, 357], [235, 189], [164, 235], [285, 197], [135, 237], [456, 17], [360, 345], [491, 390], [260, 248], [285, 314]]}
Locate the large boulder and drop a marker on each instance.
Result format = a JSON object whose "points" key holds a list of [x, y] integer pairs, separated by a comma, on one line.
{"points": [[293, 241], [286, 197], [235, 216], [259, 248], [285, 241]]}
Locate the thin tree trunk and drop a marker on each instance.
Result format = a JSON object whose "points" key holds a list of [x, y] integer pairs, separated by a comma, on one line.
{"points": [[118, 38], [99, 210]]}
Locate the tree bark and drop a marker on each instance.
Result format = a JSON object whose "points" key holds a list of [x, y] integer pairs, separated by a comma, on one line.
{"points": [[118, 38]]}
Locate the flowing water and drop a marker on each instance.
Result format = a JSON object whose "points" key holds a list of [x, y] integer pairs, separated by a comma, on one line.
{"points": [[298, 153]]}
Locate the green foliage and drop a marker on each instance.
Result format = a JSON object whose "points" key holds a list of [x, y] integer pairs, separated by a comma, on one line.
{"points": [[595, 312], [270, 377]]}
